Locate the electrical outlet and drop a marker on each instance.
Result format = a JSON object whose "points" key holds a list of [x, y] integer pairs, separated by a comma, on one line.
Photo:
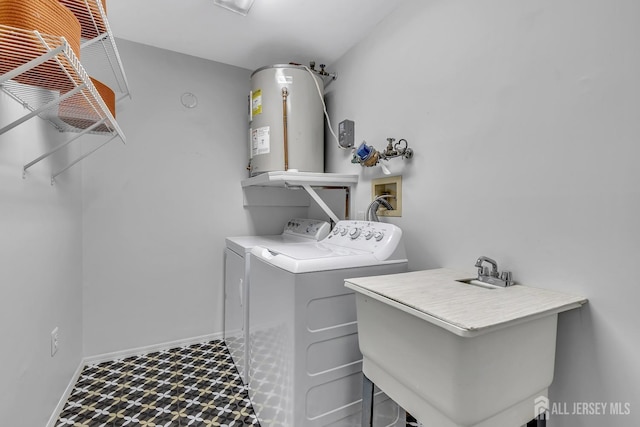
{"points": [[55, 336]]}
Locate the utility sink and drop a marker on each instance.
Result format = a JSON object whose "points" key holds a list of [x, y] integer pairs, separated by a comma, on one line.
{"points": [[455, 354]]}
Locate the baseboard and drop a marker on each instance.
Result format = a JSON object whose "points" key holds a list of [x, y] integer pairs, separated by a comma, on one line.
{"points": [[107, 357], [67, 392]]}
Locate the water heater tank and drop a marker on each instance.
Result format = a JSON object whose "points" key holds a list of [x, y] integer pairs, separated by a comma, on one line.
{"points": [[287, 123]]}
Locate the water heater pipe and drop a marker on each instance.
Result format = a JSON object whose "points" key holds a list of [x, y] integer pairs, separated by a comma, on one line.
{"points": [[285, 94]]}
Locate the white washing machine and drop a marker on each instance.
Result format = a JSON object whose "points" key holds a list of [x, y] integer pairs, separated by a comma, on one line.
{"points": [[236, 280], [305, 366]]}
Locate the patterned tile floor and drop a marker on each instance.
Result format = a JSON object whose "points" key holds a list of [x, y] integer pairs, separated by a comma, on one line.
{"points": [[195, 385], [411, 422]]}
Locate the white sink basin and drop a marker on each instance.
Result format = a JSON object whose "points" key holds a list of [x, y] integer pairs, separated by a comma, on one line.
{"points": [[453, 354]]}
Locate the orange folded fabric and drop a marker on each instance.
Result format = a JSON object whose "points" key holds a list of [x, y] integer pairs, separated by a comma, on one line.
{"points": [[47, 17], [88, 13], [80, 113]]}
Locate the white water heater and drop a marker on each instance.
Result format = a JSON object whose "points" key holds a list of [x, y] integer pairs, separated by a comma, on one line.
{"points": [[287, 123]]}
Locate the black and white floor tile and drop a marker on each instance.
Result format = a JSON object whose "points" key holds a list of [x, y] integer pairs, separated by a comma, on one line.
{"points": [[412, 422], [195, 385]]}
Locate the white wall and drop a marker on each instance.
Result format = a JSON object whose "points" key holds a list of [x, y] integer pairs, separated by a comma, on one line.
{"points": [[153, 208], [524, 120], [157, 210], [40, 269]]}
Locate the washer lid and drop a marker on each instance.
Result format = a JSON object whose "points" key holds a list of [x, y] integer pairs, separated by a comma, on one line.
{"points": [[310, 257], [313, 250]]}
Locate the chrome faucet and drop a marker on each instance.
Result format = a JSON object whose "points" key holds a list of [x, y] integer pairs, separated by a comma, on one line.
{"points": [[483, 271], [492, 277]]}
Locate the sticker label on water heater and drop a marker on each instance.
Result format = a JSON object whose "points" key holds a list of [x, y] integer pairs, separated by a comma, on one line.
{"points": [[260, 141], [256, 102], [284, 80]]}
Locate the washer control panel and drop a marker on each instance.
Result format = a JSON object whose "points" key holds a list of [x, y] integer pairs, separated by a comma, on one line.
{"points": [[377, 237]]}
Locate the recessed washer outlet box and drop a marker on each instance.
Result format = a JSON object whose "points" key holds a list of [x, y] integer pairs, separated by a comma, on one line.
{"points": [[388, 185]]}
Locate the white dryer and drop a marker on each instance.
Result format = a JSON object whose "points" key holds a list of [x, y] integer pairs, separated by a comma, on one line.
{"points": [[236, 280], [305, 366]]}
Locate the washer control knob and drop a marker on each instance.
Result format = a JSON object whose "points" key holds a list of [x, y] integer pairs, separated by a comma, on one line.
{"points": [[368, 234], [378, 235], [354, 233], [336, 230], [343, 231]]}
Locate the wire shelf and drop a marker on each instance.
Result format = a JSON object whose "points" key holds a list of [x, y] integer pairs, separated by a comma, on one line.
{"points": [[99, 51], [42, 73], [50, 75]]}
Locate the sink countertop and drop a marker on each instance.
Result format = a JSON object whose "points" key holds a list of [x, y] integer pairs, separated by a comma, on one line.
{"points": [[464, 309]]}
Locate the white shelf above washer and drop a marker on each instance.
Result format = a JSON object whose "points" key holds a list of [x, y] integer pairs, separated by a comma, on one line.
{"points": [[309, 181], [289, 179]]}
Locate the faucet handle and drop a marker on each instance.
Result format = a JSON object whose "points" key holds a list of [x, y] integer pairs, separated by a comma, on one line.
{"points": [[506, 277]]}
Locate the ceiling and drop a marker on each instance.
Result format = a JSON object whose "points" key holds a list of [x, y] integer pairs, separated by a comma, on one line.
{"points": [[274, 31]]}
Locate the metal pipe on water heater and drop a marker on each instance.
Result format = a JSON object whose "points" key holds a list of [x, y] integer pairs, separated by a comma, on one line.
{"points": [[285, 94]]}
